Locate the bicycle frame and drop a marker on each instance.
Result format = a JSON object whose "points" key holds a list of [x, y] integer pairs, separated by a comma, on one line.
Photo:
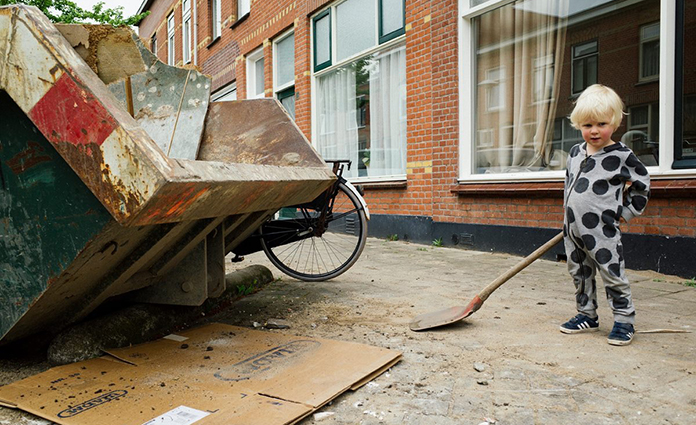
{"points": [[323, 203]]}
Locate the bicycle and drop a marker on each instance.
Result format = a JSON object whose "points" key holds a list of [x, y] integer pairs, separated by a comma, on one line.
{"points": [[317, 240]]}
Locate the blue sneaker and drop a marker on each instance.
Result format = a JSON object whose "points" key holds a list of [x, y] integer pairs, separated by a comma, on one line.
{"points": [[579, 324], [621, 334]]}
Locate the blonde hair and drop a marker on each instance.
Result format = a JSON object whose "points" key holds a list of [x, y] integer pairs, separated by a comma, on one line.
{"points": [[596, 103]]}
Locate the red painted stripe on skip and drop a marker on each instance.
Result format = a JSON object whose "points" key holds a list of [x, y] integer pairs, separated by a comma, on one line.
{"points": [[68, 113]]}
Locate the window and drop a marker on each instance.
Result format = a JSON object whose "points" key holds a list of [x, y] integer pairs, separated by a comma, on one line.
{"points": [[642, 132], [547, 58], [225, 94], [359, 106], [284, 71], [186, 31], [685, 91], [565, 136], [391, 19], [243, 8], [216, 19], [170, 40], [494, 87], [585, 65], [322, 40], [255, 74], [650, 52], [153, 44]]}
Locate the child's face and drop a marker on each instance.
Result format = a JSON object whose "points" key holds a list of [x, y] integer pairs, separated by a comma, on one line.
{"points": [[597, 134]]}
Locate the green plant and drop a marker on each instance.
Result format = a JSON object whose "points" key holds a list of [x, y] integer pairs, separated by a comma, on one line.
{"points": [[68, 12], [393, 237], [246, 290], [437, 242], [422, 249], [691, 282], [658, 280]]}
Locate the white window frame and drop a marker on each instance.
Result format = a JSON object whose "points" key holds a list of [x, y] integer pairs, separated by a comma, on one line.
{"points": [[243, 8], [277, 88], [186, 30], [251, 60], [171, 39], [216, 20], [219, 95], [467, 86], [386, 46]]}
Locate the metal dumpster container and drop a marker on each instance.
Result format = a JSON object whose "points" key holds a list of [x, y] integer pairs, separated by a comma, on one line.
{"points": [[91, 207]]}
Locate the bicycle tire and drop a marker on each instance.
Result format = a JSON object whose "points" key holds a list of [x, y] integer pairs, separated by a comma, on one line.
{"points": [[324, 257]]}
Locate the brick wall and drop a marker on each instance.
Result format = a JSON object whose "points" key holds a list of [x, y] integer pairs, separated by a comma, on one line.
{"points": [[431, 189]]}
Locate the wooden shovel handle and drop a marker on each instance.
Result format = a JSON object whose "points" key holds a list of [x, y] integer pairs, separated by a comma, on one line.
{"points": [[488, 290]]}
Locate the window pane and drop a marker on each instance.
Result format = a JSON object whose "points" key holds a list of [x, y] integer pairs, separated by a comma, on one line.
{"points": [[361, 114], [259, 76], [355, 27], [591, 71], [244, 7], [517, 37], [285, 49], [585, 49], [392, 15], [216, 18], [322, 39], [287, 99], [578, 76], [651, 59]]}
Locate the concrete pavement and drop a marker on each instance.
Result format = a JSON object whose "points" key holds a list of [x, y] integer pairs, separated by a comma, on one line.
{"points": [[508, 363]]}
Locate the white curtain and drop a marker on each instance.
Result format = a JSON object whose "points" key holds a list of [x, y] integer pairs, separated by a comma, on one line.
{"points": [[388, 114], [337, 127], [528, 44]]}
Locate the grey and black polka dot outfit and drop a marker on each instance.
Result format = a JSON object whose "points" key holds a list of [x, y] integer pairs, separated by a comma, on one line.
{"points": [[596, 196]]}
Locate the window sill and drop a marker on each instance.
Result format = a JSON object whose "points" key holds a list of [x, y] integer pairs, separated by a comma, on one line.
{"points": [[394, 184], [213, 42], [545, 189], [646, 82], [674, 188], [239, 21]]}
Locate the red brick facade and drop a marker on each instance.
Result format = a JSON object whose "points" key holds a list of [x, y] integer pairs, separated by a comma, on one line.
{"points": [[431, 189]]}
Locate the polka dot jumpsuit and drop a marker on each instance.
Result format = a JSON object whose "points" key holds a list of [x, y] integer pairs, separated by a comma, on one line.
{"points": [[596, 197]]}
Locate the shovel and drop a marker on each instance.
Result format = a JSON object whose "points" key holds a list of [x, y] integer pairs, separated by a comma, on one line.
{"points": [[457, 313]]}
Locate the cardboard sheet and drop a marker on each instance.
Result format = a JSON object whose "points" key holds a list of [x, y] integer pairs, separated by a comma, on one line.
{"points": [[216, 374]]}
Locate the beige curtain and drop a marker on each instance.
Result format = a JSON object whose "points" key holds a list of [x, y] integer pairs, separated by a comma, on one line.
{"points": [[524, 43]]}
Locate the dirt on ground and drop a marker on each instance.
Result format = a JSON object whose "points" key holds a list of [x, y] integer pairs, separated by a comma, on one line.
{"points": [[506, 364]]}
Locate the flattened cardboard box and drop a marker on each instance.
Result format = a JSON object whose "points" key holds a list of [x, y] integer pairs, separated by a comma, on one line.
{"points": [[214, 375]]}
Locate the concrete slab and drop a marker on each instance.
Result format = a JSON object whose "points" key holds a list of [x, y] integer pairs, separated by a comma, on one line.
{"points": [[532, 374]]}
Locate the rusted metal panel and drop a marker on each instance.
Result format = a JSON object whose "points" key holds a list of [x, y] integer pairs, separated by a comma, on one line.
{"points": [[169, 103], [255, 131]]}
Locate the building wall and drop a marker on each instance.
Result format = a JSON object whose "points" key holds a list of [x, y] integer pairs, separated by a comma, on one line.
{"points": [[430, 203]]}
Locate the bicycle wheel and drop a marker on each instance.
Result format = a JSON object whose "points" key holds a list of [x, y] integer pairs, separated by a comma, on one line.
{"points": [[323, 257]]}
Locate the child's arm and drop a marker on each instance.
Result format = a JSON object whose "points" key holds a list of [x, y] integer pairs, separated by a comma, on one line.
{"points": [[636, 195]]}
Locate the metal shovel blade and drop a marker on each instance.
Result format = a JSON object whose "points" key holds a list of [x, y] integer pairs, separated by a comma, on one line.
{"points": [[457, 313], [445, 317]]}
